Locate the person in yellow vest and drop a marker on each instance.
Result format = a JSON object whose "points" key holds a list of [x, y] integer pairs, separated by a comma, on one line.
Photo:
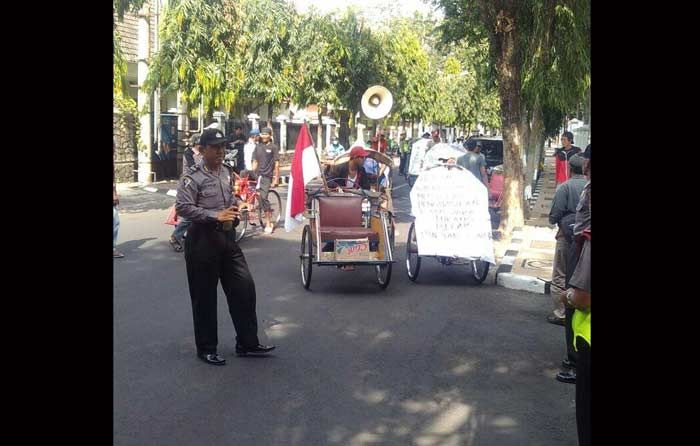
{"points": [[580, 299]]}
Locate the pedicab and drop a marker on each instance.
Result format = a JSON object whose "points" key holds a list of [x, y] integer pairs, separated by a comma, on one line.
{"points": [[451, 223], [349, 227]]}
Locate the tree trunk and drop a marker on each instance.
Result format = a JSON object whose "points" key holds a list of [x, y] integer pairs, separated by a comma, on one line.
{"points": [[533, 150], [504, 45]]}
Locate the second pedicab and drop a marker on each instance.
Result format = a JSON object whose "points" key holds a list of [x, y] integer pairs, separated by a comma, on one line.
{"points": [[451, 221]]}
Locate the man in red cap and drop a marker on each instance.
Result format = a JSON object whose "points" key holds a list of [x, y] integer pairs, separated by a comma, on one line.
{"points": [[353, 170]]}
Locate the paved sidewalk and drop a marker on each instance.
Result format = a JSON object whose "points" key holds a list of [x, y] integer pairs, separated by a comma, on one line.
{"points": [[527, 256], [170, 187]]}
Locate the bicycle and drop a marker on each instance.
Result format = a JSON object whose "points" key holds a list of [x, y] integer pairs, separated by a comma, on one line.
{"points": [[246, 190]]}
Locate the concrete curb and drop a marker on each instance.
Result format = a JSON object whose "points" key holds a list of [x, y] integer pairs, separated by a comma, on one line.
{"points": [[504, 277], [520, 282], [284, 179]]}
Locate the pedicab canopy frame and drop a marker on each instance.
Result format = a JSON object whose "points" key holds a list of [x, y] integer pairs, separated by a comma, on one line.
{"points": [[349, 226]]}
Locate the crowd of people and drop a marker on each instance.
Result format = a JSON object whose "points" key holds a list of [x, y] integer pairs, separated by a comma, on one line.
{"points": [[257, 159], [571, 274], [207, 211]]}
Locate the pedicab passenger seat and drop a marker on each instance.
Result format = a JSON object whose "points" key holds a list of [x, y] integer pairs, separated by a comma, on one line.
{"points": [[341, 218]]}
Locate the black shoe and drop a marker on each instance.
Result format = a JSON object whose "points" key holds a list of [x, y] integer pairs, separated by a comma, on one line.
{"points": [[257, 350], [568, 376], [568, 364], [552, 319], [211, 358]]}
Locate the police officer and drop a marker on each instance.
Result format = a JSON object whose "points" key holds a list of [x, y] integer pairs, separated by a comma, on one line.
{"points": [[205, 197]]}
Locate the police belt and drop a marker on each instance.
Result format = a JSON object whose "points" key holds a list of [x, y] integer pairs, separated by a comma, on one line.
{"points": [[219, 226]]}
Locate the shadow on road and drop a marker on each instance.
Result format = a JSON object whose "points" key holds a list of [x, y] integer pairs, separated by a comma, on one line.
{"points": [[132, 245], [432, 363]]}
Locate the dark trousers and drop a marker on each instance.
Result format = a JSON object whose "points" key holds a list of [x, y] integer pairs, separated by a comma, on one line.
{"points": [[573, 256], [265, 183], [211, 256], [583, 392], [404, 162]]}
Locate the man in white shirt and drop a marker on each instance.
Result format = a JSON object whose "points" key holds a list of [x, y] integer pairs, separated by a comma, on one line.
{"points": [[249, 148]]}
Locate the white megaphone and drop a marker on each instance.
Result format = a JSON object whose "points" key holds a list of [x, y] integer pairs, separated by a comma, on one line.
{"points": [[376, 102]]}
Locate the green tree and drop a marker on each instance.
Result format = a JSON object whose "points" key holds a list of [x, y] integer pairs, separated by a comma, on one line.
{"points": [[408, 70], [266, 50], [319, 55], [556, 75], [196, 54], [527, 62], [362, 62]]}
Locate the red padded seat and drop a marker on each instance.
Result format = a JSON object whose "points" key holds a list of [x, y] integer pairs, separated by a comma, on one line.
{"points": [[341, 218]]}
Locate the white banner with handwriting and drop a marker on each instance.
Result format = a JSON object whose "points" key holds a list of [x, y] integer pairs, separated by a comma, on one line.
{"points": [[451, 208]]}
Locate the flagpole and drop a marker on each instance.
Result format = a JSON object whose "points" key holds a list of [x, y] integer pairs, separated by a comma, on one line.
{"points": [[320, 167]]}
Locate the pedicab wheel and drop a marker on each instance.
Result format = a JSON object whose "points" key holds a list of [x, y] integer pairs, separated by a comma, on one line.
{"points": [[384, 275], [259, 212], [242, 226], [275, 207], [480, 270], [412, 257], [306, 256]]}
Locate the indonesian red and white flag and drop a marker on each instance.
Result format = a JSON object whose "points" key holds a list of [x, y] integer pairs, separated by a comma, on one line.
{"points": [[305, 167]]}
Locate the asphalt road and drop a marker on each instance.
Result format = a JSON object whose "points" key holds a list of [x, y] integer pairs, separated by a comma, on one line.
{"points": [[437, 362]]}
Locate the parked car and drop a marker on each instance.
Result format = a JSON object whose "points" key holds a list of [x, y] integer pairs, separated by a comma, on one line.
{"points": [[491, 148]]}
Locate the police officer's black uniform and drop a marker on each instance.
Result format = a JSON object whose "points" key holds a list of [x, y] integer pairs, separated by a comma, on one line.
{"points": [[212, 254]]}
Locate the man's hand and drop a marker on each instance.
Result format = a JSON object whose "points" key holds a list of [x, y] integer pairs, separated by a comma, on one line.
{"points": [[229, 214], [581, 299], [564, 297]]}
